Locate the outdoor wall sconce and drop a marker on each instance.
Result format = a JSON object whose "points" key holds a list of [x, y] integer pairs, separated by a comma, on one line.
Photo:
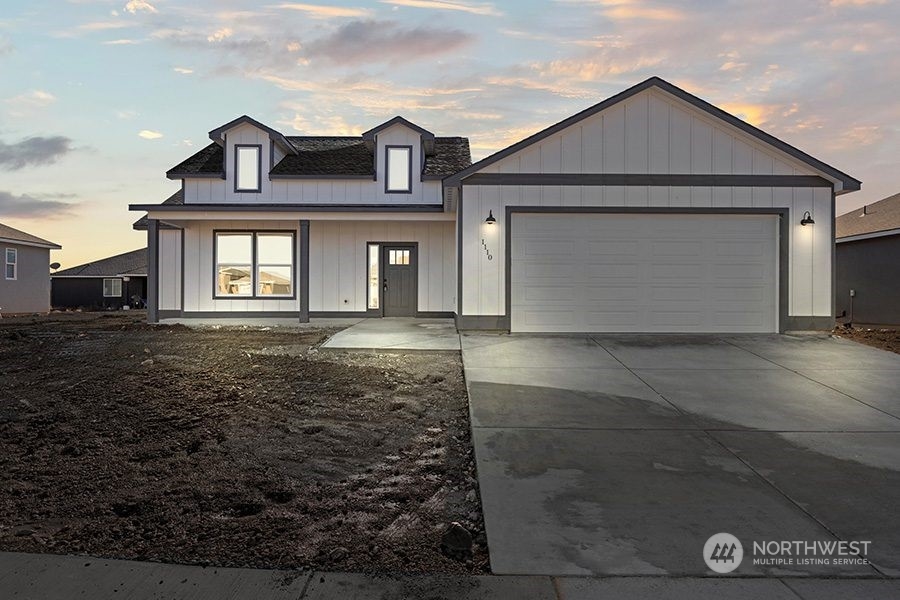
{"points": [[490, 218], [807, 219]]}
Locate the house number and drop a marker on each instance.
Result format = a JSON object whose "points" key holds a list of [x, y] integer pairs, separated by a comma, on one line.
{"points": [[486, 251]]}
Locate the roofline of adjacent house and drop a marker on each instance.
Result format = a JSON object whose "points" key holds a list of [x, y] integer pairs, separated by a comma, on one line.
{"points": [[203, 207], [868, 236], [216, 134], [43, 244], [848, 183]]}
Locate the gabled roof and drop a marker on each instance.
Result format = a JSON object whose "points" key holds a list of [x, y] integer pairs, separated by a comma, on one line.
{"points": [[878, 217], [208, 162], [15, 236], [276, 136], [128, 263], [370, 134], [848, 183], [176, 198]]}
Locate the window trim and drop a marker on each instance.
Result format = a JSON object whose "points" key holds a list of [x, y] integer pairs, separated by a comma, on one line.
{"points": [[14, 263], [121, 287], [254, 264], [387, 166], [258, 188]]}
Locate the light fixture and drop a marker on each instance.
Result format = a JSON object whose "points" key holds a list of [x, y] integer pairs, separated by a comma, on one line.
{"points": [[490, 218], [807, 219]]}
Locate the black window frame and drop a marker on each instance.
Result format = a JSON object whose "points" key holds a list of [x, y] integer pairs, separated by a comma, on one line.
{"points": [[254, 264], [258, 189]]}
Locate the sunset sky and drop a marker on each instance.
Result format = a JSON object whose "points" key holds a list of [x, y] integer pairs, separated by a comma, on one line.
{"points": [[99, 98]]}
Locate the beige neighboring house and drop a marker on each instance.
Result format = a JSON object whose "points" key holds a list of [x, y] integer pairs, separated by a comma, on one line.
{"points": [[25, 283]]}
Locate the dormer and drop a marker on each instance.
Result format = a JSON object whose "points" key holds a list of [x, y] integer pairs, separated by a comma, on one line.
{"points": [[401, 149], [251, 149]]}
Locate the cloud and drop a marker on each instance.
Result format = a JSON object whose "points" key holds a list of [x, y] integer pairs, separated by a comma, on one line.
{"points": [[28, 206], [475, 8], [34, 151], [220, 34], [136, 6], [6, 47], [122, 42], [183, 70], [385, 41], [856, 2], [317, 11], [149, 134], [103, 25], [126, 114], [27, 103]]}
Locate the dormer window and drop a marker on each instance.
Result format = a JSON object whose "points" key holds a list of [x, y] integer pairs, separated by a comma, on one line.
{"points": [[398, 169], [247, 168]]}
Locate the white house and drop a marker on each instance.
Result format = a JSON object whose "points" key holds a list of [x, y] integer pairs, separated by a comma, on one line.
{"points": [[652, 211]]}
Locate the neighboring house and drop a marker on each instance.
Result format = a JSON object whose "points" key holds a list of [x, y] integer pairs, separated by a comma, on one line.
{"points": [[652, 211], [868, 263], [113, 282], [25, 284]]}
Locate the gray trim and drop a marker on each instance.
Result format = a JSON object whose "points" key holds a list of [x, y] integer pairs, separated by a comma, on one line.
{"points": [[435, 314], [183, 246], [169, 314], [867, 236], [337, 314], [459, 251], [482, 323], [288, 207], [173, 175], [216, 134], [370, 134], [807, 324], [254, 263], [258, 189], [783, 241], [238, 314], [314, 177], [387, 165], [635, 179], [153, 270], [271, 156], [849, 183], [304, 270]]}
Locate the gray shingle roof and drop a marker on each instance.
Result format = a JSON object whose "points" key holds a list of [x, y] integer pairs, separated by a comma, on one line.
{"points": [[10, 234], [337, 156], [883, 215], [129, 263], [176, 198]]}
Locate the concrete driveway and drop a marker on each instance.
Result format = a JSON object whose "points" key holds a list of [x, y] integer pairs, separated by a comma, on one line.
{"points": [[621, 455]]}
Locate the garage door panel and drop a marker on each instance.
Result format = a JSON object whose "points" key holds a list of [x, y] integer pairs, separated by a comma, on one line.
{"points": [[644, 273]]}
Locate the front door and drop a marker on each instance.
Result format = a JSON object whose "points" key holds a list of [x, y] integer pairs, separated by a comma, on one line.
{"points": [[399, 286]]}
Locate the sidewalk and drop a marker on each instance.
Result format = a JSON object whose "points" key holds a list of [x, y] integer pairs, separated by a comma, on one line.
{"points": [[49, 577]]}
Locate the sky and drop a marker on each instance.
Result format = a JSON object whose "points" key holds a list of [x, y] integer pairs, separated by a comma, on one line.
{"points": [[98, 98]]}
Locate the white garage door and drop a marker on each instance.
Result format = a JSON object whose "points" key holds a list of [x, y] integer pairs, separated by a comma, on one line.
{"points": [[644, 273]]}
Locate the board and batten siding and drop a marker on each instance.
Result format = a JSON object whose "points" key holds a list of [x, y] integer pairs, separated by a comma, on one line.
{"points": [[314, 191], [337, 265], [650, 133]]}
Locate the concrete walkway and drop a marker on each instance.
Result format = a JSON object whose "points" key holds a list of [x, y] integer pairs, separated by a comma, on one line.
{"points": [[397, 334], [622, 455], [48, 577]]}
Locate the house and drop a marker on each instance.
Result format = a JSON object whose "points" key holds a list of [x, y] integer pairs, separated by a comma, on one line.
{"points": [[652, 211], [25, 285], [868, 263], [113, 282]]}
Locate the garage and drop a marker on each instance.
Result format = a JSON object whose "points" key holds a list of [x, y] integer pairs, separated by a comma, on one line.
{"points": [[644, 272]]}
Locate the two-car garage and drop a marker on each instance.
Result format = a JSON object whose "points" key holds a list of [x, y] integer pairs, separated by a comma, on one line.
{"points": [[643, 272]]}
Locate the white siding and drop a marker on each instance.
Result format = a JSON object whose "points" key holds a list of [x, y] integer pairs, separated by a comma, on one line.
{"points": [[314, 191], [809, 263], [337, 262], [169, 269]]}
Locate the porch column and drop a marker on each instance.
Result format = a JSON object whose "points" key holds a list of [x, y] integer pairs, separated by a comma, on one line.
{"points": [[153, 271], [304, 271]]}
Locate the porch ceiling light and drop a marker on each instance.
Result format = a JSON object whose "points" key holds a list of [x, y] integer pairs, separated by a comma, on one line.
{"points": [[807, 219], [490, 218]]}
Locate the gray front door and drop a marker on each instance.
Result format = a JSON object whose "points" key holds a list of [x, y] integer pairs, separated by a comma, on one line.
{"points": [[399, 280]]}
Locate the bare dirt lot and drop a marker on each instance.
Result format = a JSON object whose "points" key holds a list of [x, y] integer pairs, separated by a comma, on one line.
{"points": [[886, 339], [232, 447]]}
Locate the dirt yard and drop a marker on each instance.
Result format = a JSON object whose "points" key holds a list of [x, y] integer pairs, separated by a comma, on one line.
{"points": [[886, 339], [232, 447]]}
